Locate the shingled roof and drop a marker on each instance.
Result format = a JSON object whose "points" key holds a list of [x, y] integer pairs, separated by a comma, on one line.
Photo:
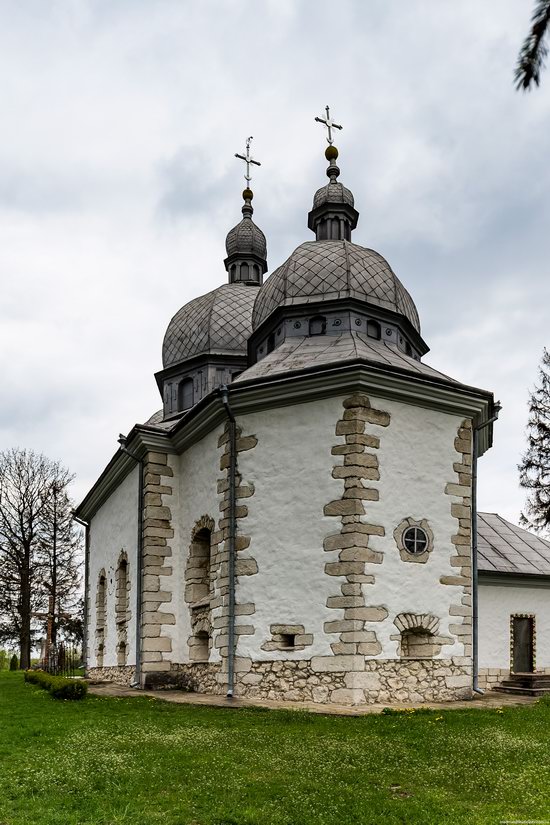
{"points": [[505, 548]]}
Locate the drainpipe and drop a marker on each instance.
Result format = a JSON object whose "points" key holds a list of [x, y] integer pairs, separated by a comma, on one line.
{"points": [[136, 683], [232, 533], [475, 600], [86, 526]]}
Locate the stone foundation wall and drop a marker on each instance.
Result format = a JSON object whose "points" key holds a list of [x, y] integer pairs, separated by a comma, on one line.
{"points": [[122, 675], [198, 677], [384, 681]]}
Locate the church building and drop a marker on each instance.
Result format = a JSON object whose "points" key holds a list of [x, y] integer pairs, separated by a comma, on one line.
{"points": [[298, 521]]}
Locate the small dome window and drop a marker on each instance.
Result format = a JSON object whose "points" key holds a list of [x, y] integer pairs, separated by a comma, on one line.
{"points": [[244, 272], [408, 349], [270, 343], [318, 325], [374, 330]]}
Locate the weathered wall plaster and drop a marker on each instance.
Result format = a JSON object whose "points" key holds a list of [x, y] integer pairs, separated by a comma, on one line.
{"points": [[113, 529]]}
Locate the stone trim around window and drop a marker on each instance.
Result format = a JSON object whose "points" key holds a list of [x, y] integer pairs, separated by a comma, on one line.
{"points": [[427, 642], [282, 633], [420, 558]]}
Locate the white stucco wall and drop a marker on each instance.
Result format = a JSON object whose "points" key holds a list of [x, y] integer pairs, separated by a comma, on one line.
{"points": [[496, 604], [291, 470], [113, 529], [416, 458]]}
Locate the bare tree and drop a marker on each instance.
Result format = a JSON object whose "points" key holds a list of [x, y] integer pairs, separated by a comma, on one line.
{"points": [[534, 50], [534, 469], [31, 548]]}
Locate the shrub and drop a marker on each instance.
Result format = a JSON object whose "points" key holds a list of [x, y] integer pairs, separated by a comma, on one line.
{"points": [[58, 686], [14, 662]]}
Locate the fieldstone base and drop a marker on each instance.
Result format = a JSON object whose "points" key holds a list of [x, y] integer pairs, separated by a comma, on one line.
{"points": [[382, 681], [120, 675], [197, 677]]}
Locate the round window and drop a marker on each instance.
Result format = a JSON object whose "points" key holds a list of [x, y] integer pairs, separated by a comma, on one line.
{"points": [[415, 540]]}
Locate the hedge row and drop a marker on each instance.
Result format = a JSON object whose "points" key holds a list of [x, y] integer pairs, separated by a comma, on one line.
{"points": [[58, 686]]}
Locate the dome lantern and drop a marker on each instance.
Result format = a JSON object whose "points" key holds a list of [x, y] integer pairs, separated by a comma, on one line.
{"points": [[333, 216], [245, 244]]}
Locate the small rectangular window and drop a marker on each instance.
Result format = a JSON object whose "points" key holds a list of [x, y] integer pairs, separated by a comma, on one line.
{"points": [[288, 640]]}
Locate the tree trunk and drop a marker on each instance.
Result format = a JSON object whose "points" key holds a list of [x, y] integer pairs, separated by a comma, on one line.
{"points": [[25, 632]]}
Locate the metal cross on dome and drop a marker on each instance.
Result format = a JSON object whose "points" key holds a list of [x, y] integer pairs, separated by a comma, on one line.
{"points": [[330, 124], [248, 160]]}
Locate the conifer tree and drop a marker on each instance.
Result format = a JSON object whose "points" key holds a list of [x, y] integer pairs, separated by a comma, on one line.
{"points": [[534, 469], [534, 50]]}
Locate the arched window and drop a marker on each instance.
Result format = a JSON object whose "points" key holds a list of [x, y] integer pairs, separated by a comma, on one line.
{"points": [[185, 394], [122, 653], [101, 616], [199, 589], [121, 608], [244, 272], [233, 272], [374, 330], [197, 575], [335, 229], [317, 325], [256, 272]]}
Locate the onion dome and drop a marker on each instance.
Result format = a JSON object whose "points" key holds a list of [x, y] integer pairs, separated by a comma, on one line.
{"points": [[320, 271], [246, 248], [218, 323]]}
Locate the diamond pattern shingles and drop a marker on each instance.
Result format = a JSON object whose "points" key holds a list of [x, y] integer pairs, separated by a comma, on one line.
{"points": [[246, 237], [333, 192], [324, 270], [220, 321]]}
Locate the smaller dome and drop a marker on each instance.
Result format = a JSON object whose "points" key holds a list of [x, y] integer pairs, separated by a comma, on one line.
{"points": [[333, 192], [246, 239], [219, 322]]}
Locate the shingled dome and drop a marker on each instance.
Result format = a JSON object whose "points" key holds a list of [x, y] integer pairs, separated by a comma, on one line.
{"points": [[333, 192], [219, 322], [327, 270], [246, 237]]}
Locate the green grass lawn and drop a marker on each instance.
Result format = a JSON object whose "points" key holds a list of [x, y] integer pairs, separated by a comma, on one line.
{"points": [[106, 761]]}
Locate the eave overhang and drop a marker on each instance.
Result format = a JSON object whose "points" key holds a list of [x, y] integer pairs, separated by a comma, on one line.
{"points": [[513, 579]]}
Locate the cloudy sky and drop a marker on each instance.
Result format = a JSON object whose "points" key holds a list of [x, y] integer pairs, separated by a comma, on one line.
{"points": [[118, 183]]}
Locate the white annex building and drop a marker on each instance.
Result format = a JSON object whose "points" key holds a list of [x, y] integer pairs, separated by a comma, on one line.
{"points": [[299, 520]]}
